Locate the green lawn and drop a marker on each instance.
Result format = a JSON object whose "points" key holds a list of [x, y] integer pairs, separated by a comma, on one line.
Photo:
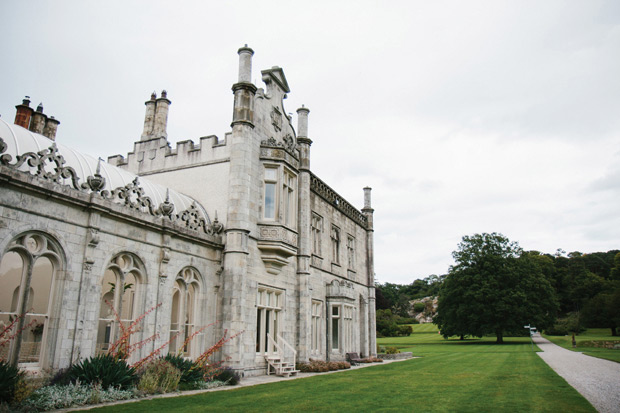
{"points": [[449, 375], [583, 345]]}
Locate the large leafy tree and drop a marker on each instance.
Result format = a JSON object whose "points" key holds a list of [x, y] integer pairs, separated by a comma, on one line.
{"points": [[494, 288]]}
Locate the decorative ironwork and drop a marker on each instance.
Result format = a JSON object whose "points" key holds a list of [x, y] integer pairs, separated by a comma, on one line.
{"points": [[329, 195]]}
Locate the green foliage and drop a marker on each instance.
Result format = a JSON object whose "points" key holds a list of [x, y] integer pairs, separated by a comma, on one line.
{"points": [[419, 307], [603, 310], [404, 330], [10, 376], [566, 325], [493, 289], [392, 350], [320, 366], [190, 372], [227, 375], [72, 395], [159, 376], [104, 370]]}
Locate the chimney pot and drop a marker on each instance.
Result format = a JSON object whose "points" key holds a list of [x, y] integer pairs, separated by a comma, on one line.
{"points": [[40, 108]]}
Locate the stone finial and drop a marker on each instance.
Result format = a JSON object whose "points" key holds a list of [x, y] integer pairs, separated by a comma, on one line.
{"points": [[245, 64]]}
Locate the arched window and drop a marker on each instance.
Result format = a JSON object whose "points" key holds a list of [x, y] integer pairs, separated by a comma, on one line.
{"points": [[184, 311], [119, 294], [27, 274]]}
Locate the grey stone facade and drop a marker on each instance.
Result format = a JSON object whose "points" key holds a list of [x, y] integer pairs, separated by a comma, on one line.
{"points": [[240, 225]]}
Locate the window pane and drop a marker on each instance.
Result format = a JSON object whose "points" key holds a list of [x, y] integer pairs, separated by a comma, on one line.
{"points": [[270, 200], [128, 292], [11, 269], [335, 345], [40, 286], [270, 174]]}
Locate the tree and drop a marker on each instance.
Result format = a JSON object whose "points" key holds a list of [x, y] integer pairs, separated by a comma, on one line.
{"points": [[604, 311], [494, 288]]}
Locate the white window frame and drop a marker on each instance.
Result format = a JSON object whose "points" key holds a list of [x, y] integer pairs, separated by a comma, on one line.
{"points": [[335, 237], [316, 323], [269, 306]]}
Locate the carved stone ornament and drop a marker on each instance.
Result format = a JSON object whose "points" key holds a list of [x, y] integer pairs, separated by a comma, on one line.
{"points": [[49, 164], [276, 119], [289, 144], [165, 255], [93, 237]]}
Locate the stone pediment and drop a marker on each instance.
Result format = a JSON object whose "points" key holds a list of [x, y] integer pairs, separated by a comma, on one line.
{"points": [[275, 75]]}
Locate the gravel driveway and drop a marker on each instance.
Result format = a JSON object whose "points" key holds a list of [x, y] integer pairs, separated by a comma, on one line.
{"points": [[596, 379]]}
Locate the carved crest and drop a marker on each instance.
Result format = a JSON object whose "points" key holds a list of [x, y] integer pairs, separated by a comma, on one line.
{"points": [[276, 119]]}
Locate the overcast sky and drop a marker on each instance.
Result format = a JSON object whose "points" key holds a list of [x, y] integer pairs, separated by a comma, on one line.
{"points": [[463, 116]]}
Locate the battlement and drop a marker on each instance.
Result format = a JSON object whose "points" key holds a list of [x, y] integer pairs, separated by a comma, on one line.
{"points": [[156, 155]]}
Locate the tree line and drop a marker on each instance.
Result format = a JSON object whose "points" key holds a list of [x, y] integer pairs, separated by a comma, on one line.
{"points": [[495, 287]]}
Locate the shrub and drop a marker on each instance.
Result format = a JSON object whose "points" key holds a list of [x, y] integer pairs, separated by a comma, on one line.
{"points": [[405, 320], [228, 376], [9, 380], [405, 330], [373, 360], [59, 397], [419, 307], [60, 377], [189, 371], [105, 370], [159, 376], [392, 350]]}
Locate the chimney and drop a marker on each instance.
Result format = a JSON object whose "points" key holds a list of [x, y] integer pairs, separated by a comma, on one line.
{"points": [[23, 114], [244, 90], [149, 117], [161, 116], [51, 125], [37, 123]]}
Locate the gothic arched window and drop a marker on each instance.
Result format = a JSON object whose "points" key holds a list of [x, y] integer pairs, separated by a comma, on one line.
{"points": [[184, 311], [119, 297], [27, 274]]}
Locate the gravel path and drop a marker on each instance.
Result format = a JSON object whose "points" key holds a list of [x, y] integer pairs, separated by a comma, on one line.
{"points": [[596, 379]]}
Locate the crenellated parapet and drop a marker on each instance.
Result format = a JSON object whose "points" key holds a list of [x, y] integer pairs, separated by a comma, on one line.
{"points": [[156, 155]]}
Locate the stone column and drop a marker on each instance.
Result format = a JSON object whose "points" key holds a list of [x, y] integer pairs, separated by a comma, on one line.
{"points": [[304, 256], [368, 212], [244, 162]]}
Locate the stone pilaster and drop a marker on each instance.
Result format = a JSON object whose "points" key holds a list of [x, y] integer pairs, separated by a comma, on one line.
{"points": [[304, 326], [368, 212], [241, 219]]}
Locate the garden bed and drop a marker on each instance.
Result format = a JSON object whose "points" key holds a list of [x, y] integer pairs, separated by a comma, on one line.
{"points": [[397, 356]]}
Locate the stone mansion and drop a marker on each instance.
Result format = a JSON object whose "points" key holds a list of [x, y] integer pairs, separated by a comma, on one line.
{"points": [[233, 233]]}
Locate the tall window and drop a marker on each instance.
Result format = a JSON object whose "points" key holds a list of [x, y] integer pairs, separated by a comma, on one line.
{"points": [[317, 231], [269, 304], [317, 311], [341, 327], [271, 182], [119, 291], [335, 327], [183, 317], [351, 251], [27, 275], [288, 193], [335, 244]]}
